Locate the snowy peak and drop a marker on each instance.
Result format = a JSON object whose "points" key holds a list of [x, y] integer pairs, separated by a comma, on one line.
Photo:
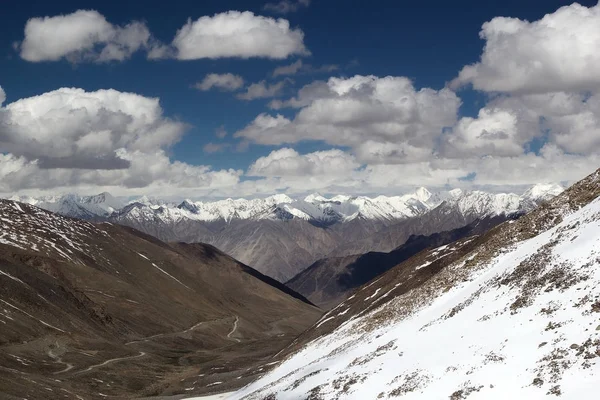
{"points": [[315, 198], [75, 206], [314, 207], [543, 192], [279, 199], [485, 204], [423, 194]]}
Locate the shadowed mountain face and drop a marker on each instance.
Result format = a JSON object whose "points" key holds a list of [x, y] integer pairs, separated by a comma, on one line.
{"points": [[331, 280], [97, 310], [509, 313]]}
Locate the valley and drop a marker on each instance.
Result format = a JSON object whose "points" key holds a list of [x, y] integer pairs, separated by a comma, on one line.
{"points": [[96, 310]]}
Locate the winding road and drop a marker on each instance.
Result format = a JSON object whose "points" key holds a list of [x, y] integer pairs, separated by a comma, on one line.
{"points": [[235, 326], [58, 359], [112, 360], [166, 334]]}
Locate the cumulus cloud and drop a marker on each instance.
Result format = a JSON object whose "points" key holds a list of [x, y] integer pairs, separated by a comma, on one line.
{"points": [[84, 35], [353, 111], [556, 53], [493, 173], [406, 137], [147, 172], [2, 95], [73, 139], [286, 6], [227, 82], [287, 162], [235, 34], [262, 90], [68, 123], [569, 120], [299, 67], [493, 132]]}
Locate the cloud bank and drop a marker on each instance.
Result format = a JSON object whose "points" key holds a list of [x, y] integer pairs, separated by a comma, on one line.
{"points": [[70, 139]]}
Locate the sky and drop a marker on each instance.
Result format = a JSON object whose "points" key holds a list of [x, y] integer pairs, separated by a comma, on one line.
{"points": [[220, 99]]}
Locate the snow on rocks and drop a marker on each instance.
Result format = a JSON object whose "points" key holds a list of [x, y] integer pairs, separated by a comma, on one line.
{"points": [[31, 228], [518, 319]]}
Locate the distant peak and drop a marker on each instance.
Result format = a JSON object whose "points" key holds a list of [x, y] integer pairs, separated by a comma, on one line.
{"points": [[423, 194], [341, 198], [456, 193], [188, 205], [280, 198], [543, 191], [314, 197]]}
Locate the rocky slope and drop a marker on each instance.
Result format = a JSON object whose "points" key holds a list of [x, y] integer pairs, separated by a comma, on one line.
{"points": [[512, 313], [99, 310]]}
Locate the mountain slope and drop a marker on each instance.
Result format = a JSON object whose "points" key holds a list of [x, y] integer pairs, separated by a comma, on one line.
{"points": [[331, 280], [457, 210], [511, 314], [98, 308]]}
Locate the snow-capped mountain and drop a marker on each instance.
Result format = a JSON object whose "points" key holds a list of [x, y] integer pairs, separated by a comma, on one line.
{"points": [[509, 314], [314, 207], [281, 207], [71, 205], [311, 228]]}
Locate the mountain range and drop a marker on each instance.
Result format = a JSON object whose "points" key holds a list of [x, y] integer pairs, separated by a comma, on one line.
{"points": [[281, 236]]}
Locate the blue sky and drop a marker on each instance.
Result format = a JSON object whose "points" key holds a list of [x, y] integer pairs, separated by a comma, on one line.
{"points": [[428, 43]]}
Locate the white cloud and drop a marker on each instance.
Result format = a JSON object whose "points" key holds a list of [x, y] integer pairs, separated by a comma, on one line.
{"points": [[286, 6], [72, 125], [300, 67], [288, 162], [557, 53], [262, 90], [74, 140], [221, 132], [508, 124], [353, 111], [2, 95], [236, 34], [152, 173], [306, 95], [339, 172], [215, 147], [84, 35], [291, 69], [228, 82], [409, 137], [493, 132]]}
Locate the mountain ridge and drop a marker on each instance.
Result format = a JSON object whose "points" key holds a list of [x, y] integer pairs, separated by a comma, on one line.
{"points": [[313, 206], [281, 236]]}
